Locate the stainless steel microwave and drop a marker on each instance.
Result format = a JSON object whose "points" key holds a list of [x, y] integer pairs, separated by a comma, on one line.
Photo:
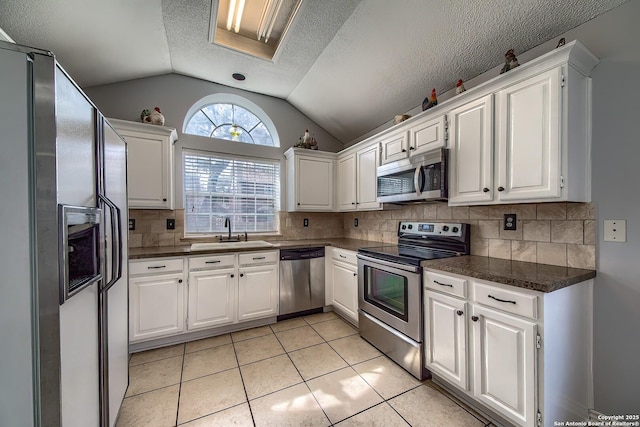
{"points": [[418, 178]]}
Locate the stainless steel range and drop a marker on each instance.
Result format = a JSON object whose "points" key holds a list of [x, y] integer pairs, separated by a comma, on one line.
{"points": [[390, 288]]}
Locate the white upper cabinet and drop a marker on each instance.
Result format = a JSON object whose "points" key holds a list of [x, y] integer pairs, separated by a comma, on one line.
{"points": [[528, 138], [310, 180], [149, 164], [357, 184], [471, 142], [535, 145], [346, 182], [419, 135]]}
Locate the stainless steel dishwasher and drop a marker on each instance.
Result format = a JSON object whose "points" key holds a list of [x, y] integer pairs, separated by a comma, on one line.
{"points": [[301, 281]]}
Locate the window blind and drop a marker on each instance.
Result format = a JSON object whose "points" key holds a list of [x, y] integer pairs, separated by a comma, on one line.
{"points": [[247, 191]]}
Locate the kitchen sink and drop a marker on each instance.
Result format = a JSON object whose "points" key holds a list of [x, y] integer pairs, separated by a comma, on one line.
{"points": [[230, 245]]}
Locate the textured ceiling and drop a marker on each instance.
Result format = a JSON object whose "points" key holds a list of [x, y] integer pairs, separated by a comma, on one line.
{"points": [[350, 65]]}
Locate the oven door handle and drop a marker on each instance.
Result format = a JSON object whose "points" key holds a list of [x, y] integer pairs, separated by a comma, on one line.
{"points": [[419, 180], [410, 268]]}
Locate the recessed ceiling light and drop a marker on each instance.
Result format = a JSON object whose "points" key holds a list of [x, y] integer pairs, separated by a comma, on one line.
{"points": [[238, 76]]}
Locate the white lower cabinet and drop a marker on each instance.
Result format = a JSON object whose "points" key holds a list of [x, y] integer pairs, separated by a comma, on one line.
{"points": [[341, 277], [446, 337], [168, 299], [504, 363], [257, 292], [156, 298], [522, 355], [212, 297]]}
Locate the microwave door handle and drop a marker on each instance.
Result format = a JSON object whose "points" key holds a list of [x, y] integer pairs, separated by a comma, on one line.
{"points": [[419, 180]]}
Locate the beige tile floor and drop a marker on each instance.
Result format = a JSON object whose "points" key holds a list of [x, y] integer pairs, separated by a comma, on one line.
{"points": [[308, 371]]}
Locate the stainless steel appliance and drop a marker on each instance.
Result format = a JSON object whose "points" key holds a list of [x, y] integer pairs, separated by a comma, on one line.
{"points": [[64, 316], [301, 281], [417, 178], [390, 288]]}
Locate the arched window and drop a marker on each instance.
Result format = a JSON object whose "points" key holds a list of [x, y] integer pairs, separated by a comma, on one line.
{"points": [[226, 116]]}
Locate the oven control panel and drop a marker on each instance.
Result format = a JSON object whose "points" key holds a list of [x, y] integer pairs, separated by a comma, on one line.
{"points": [[430, 229]]}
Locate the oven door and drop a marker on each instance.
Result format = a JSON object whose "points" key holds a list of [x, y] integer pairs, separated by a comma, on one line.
{"points": [[391, 292]]}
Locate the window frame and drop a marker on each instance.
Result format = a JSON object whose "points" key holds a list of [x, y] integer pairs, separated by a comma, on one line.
{"points": [[233, 157]]}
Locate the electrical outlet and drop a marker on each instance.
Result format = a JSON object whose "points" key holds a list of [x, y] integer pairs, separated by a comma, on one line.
{"points": [[171, 224], [132, 223], [615, 230], [305, 222], [355, 222], [510, 221]]}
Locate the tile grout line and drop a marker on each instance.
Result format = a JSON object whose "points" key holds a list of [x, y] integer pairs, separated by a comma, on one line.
{"points": [[184, 349], [244, 387]]}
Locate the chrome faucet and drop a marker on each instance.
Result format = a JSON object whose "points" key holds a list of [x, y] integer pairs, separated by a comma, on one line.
{"points": [[227, 223]]}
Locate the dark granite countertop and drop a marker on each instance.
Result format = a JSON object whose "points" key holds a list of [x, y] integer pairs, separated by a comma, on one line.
{"points": [[528, 275], [169, 251]]}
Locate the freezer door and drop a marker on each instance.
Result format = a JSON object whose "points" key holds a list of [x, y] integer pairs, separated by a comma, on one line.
{"points": [[114, 296]]}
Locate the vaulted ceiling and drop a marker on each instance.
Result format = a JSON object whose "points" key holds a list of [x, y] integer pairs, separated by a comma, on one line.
{"points": [[350, 65]]}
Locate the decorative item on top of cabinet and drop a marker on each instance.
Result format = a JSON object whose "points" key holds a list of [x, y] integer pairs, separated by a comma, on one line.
{"points": [[430, 101], [154, 117], [150, 153], [310, 180], [510, 61], [460, 87], [307, 141], [401, 118]]}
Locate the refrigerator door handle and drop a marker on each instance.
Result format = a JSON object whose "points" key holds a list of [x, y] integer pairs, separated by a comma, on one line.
{"points": [[116, 244]]}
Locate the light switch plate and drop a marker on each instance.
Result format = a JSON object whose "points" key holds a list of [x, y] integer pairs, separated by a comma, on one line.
{"points": [[615, 230]]}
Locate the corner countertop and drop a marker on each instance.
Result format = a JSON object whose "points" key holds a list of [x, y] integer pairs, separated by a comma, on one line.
{"points": [[527, 275], [171, 251]]}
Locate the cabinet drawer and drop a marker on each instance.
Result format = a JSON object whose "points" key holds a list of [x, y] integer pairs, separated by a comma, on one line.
{"points": [[344, 255], [211, 261], [252, 258], [445, 283], [506, 300], [156, 266]]}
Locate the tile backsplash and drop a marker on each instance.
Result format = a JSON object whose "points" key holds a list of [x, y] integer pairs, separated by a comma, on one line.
{"points": [[548, 233]]}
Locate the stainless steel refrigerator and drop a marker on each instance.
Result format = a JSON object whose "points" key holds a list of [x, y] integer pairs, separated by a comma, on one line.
{"points": [[64, 280]]}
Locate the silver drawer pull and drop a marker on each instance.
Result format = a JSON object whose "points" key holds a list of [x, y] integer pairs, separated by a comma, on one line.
{"points": [[157, 266], [212, 262], [258, 257], [442, 284], [501, 300], [342, 256]]}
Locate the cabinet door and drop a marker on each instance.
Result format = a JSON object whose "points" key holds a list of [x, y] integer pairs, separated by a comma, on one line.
{"points": [[395, 146], [471, 143], [346, 188], [211, 298], [156, 307], [446, 337], [528, 138], [148, 169], [504, 362], [427, 136], [368, 160], [314, 178], [344, 279], [258, 292]]}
